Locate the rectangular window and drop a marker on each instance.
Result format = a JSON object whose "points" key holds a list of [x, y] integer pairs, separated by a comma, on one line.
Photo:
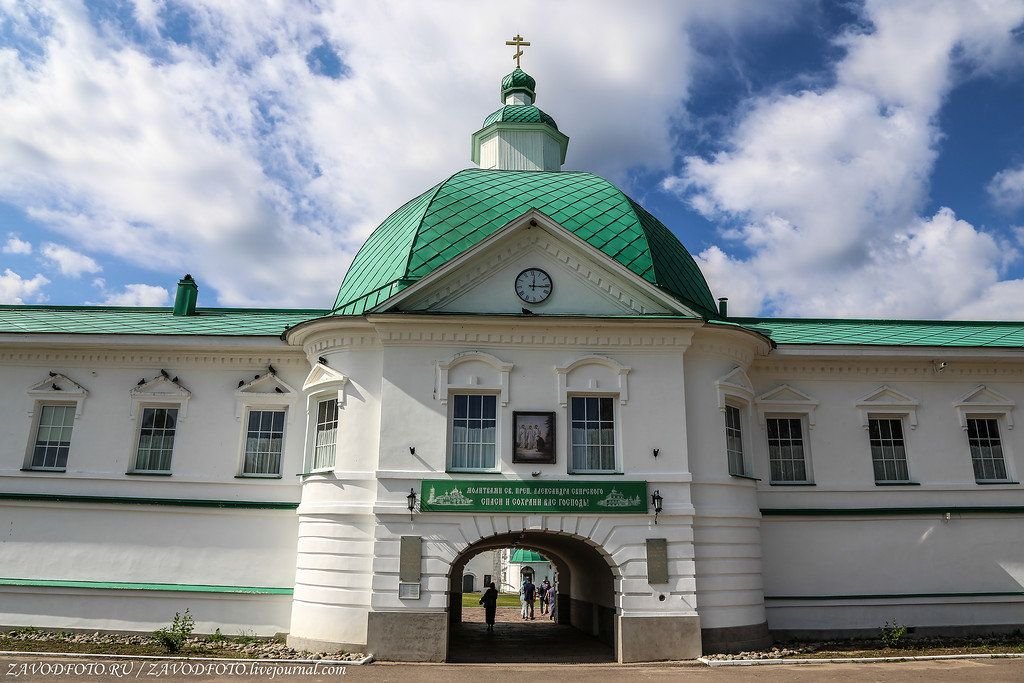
{"points": [[474, 438], [786, 450], [53, 437], [888, 450], [264, 440], [986, 449], [734, 441], [156, 439], [326, 434], [592, 433]]}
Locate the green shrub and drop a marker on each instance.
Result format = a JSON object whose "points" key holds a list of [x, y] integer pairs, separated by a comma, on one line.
{"points": [[893, 634], [173, 637], [216, 637]]}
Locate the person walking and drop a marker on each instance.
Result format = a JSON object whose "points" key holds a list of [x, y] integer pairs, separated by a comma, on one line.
{"points": [[490, 602], [552, 601], [542, 594], [530, 594], [522, 598]]}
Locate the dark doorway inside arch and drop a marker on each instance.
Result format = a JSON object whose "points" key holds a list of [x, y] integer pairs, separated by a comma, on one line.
{"points": [[468, 583], [583, 630]]}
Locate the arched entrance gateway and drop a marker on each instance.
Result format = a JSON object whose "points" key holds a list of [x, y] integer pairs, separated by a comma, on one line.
{"points": [[588, 583]]}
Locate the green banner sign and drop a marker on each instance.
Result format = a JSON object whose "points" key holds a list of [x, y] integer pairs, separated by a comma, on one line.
{"points": [[447, 495]]}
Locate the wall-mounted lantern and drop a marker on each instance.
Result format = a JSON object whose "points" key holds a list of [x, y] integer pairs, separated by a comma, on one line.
{"points": [[656, 501], [411, 500]]}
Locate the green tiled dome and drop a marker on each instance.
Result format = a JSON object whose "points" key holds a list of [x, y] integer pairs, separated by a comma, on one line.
{"points": [[518, 81], [520, 113], [468, 207]]}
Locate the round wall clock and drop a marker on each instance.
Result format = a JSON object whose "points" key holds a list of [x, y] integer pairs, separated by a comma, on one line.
{"points": [[533, 285]]}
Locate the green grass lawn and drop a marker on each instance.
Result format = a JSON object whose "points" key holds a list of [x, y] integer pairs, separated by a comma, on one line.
{"points": [[504, 600]]}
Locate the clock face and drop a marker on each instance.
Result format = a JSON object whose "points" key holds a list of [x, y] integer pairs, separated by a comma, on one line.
{"points": [[533, 285]]}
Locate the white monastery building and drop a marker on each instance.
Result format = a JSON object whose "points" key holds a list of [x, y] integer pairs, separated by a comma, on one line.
{"points": [[519, 357]]}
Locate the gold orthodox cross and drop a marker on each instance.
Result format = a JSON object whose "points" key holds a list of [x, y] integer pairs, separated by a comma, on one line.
{"points": [[519, 44]]}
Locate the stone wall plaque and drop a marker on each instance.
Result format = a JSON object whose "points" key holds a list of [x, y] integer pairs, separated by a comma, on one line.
{"points": [[410, 559], [657, 560]]}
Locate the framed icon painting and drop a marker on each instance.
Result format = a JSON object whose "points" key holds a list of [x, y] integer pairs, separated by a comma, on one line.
{"points": [[533, 437]]}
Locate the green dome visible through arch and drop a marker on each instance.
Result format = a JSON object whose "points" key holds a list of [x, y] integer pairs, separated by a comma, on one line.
{"points": [[468, 207]]}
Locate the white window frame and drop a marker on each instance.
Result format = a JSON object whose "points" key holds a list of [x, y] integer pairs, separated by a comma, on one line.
{"points": [[1001, 423], [33, 436], [735, 390], [805, 442], [902, 418], [261, 407], [499, 429], [140, 410], [616, 432], [322, 383], [254, 395]]}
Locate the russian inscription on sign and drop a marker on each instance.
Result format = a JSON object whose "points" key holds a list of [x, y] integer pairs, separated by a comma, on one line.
{"points": [[447, 495]]}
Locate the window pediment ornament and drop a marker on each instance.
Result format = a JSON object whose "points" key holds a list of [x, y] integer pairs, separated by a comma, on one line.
{"points": [[265, 389], [58, 387], [735, 384], [982, 399], [162, 388], [565, 386], [888, 401], [445, 385], [786, 399], [324, 378]]}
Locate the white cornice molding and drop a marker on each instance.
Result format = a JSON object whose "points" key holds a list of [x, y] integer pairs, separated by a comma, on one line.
{"points": [[986, 401], [58, 387], [502, 368], [146, 358], [885, 400], [786, 399], [564, 381], [860, 368]]}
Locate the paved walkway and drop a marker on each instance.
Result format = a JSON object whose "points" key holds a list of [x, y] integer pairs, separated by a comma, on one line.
{"points": [[516, 641]]}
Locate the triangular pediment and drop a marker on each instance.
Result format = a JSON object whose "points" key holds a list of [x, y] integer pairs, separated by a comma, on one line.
{"points": [[786, 394], [56, 385], [161, 386], [737, 379], [886, 396], [982, 395], [585, 281], [267, 383], [323, 376]]}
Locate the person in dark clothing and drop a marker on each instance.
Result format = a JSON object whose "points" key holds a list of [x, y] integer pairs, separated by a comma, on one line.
{"points": [[490, 602], [530, 593]]}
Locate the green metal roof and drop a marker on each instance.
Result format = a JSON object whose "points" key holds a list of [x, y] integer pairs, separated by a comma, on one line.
{"points": [[520, 113], [233, 322], [524, 556], [945, 333], [518, 81], [468, 207]]}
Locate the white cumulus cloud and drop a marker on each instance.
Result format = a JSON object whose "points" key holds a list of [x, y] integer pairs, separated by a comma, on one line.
{"points": [[1007, 188], [14, 245], [14, 289], [823, 188], [68, 261], [138, 295]]}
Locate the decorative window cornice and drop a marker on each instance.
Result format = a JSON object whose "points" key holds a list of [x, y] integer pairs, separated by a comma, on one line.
{"points": [[983, 400], [502, 368], [735, 385], [161, 389], [323, 379], [58, 387], [565, 382], [786, 399], [887, 401], [264, 390]]}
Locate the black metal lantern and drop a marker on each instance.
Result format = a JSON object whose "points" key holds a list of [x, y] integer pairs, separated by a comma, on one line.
{"points": [[411, 500], [656, 501]]}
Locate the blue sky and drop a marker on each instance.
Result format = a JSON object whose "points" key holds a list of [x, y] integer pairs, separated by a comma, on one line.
{"points": [[831, 159]]}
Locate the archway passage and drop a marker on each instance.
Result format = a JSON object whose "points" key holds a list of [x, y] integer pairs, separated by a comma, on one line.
{"points": [[583, 630]]}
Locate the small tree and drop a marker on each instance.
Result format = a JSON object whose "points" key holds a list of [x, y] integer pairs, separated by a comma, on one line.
{"points": [[893, 633], [174, 636]]}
